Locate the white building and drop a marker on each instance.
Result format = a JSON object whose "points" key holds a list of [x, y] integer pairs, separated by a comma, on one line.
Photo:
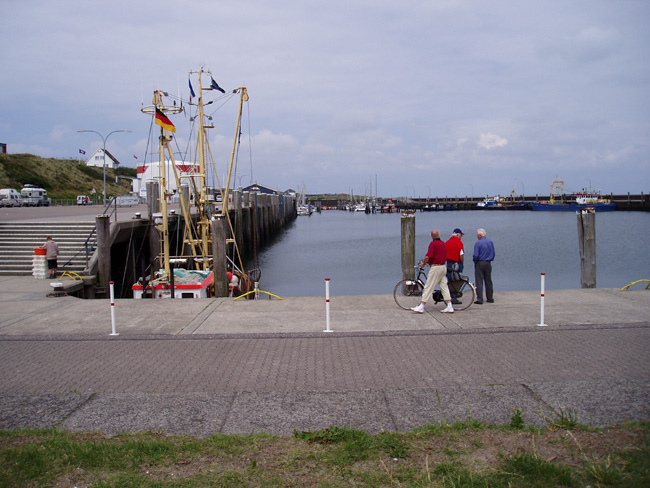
{"points": [[97, 159], [152, 172]]}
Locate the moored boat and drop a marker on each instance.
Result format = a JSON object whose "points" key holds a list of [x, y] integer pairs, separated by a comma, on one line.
{"points": [[491, 203], [558, 202], [191, 273]]}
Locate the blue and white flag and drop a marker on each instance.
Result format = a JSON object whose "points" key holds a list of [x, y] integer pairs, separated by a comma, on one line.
{"points": [[81, 151], [192, 94], [215, 86]]}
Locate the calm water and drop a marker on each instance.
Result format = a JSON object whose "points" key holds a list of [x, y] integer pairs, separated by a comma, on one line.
{"points": [[361, 253]]}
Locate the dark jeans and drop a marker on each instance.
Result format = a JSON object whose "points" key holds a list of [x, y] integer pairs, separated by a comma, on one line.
{"points": [[483, 273]]}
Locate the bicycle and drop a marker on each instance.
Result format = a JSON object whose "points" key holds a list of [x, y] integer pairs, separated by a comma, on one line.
{"points": [[408, 293]]}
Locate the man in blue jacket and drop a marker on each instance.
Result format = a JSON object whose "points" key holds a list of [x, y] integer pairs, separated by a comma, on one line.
{"points": [[483, 257]]}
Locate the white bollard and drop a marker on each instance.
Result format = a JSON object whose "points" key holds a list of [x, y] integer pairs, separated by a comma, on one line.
{"points": [[327, 305], [113, 331], [541, 320]]}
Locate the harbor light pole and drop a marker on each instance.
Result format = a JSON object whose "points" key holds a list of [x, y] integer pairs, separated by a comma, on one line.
{"points": [[104, 152]]}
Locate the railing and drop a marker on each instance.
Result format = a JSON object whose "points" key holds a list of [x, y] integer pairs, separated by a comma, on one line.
{"points": [[111, 203]]}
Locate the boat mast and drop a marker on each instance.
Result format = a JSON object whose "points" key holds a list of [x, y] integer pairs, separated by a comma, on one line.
{"points": [[243, 97], [164, 141], [204, 222]]}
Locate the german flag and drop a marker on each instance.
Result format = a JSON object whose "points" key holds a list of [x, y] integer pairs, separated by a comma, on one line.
{"points": [[164, 122]]}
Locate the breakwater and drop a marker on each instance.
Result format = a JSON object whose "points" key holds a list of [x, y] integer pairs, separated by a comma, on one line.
{"points": [[625, 201]]}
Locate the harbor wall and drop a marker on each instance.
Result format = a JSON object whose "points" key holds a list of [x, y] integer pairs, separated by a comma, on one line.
{"points": [[625, 202]]}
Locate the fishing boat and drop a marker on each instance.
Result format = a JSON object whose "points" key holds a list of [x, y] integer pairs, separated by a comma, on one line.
{"points": [[187, 270], [491, 203], [559, 202]]}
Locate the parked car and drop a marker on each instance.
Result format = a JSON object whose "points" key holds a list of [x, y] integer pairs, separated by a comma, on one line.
{"points": [[84, 200], [34, 196], [10, 198]]}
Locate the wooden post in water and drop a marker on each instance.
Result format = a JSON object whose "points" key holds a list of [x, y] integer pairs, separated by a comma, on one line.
{"points": [[408, 244], [587, 242], [219, 262]]}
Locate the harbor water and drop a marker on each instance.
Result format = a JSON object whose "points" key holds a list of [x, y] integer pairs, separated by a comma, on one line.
{"points": [[361, 254]]}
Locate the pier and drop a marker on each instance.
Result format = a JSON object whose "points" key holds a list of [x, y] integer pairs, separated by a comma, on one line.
{"points": [[120, 245], [213, 366]]}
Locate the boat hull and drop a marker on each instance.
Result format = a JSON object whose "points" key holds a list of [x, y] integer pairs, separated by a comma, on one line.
{"points": [[199, 290], [565, 207]]}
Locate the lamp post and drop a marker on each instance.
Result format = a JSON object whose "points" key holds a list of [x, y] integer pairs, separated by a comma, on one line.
{"points": [[104, 152]]}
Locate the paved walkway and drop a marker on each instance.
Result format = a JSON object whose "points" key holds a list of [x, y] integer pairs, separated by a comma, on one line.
{"points": [[206, 366]]}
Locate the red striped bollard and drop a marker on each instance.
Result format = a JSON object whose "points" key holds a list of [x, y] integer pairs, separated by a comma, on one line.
{"points": [[541, 320], [327, 305], [113, 330]]}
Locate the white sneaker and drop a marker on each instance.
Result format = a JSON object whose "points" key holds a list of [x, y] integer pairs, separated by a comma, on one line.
{"points": [[449, 309], [418, 309]]}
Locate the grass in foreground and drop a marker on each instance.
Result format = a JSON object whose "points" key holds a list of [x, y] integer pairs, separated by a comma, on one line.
{"points": [[458, 455]]}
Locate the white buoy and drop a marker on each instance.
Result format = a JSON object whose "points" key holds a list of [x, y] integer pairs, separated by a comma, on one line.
{"points": [[113, 329], [541, 320], [327, 305]]}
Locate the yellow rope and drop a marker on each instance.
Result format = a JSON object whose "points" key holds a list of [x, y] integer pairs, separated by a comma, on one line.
{"points": [[72, 275], [258, 291], [635, 282]]}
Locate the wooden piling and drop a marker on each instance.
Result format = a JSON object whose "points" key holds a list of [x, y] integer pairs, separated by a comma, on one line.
{"points": [[153, 197], [587, 242], [408, 244], [220, 267], [103, 224]]}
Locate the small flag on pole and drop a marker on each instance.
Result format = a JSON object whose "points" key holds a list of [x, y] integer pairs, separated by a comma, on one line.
{"points": [[81, 151], [192, 94], [164, 122], [215, 86]]}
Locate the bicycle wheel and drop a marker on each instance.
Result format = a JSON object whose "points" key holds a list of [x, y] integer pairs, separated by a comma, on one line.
{"points": [[464, 292], [408, 294]]}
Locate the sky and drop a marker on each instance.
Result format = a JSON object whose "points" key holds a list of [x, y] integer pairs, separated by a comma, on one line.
{"points": [[411, 98]]}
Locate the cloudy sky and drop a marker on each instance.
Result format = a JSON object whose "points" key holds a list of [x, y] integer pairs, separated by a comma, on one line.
{"points": [[425, 98]]}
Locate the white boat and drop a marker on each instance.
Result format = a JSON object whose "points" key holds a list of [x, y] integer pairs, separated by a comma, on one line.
{"points": [[491, 203]]}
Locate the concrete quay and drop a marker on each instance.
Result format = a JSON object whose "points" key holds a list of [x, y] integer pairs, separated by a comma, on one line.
{"points": [[202, 367]]}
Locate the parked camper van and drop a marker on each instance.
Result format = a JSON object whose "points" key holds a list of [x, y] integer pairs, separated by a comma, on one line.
{"points": [[84, 200], [10, 198], [34, 196]]}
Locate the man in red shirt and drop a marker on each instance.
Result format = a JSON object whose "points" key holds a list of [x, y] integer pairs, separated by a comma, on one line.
{"points": [[436, 258], [455, 258], [455, 251]]}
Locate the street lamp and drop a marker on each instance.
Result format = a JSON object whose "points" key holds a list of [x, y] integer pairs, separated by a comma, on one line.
{"points": [[104, 152]]}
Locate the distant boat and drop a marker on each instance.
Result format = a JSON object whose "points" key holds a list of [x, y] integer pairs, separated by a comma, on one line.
{"points": [[389, 208], [431, 207], [491, 203], [582, 199]]}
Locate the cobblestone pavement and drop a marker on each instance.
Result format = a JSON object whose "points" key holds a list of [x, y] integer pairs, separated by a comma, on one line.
{"points": [[206, 384]]}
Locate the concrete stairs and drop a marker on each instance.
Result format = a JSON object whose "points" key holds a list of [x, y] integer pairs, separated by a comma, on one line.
{"points": [[18, 240]]}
